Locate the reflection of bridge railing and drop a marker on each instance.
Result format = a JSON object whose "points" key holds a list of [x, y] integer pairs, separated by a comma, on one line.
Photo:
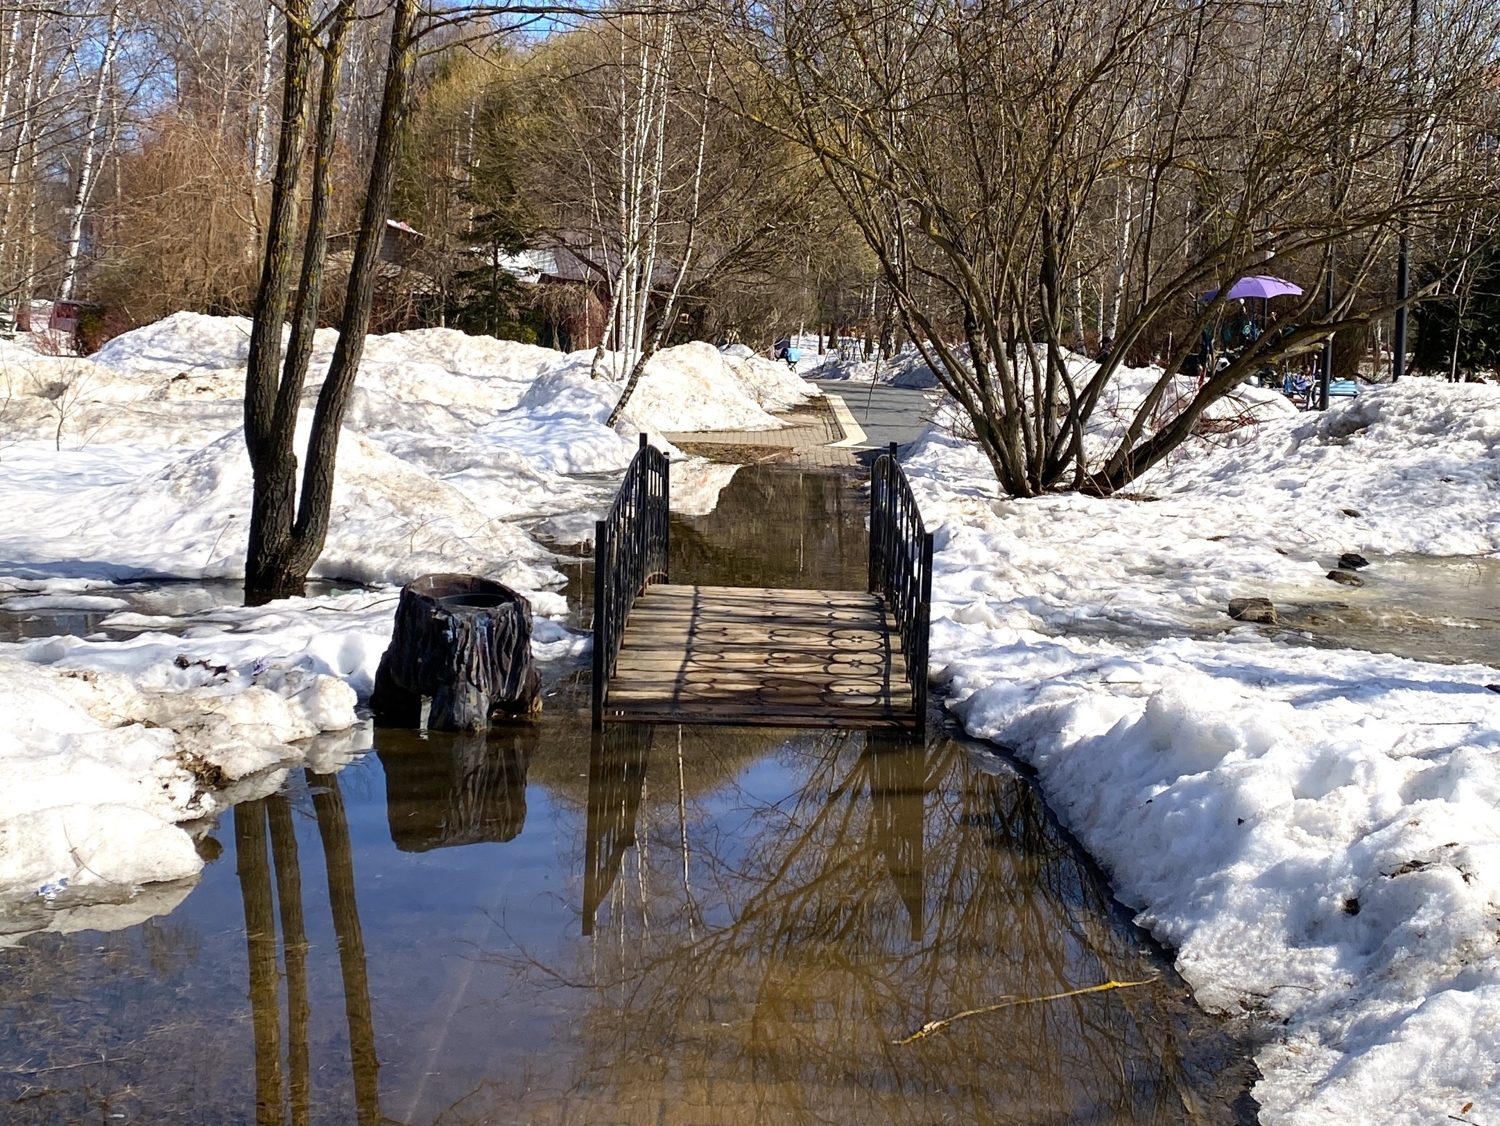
{"points": [[630, 553], [617, 769], [901, 568]]}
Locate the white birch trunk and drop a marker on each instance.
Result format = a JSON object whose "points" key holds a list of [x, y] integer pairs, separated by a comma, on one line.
{"points": [[24, 133], [85, 184], [1122, 263], [260, 123]]}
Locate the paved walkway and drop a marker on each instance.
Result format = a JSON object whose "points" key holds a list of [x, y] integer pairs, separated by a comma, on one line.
{"points": [[885, 414], [829, 432]]}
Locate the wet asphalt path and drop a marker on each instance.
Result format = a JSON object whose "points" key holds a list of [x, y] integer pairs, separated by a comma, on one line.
{"points": [[886, 414]]}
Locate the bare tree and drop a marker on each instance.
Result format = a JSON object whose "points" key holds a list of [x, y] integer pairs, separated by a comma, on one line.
{"points": [[84, 184], [998, 160], [288, 523], [671, 199], [286, 536]]}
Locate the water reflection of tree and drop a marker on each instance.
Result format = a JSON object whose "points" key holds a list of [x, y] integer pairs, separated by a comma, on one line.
{"points": [[896, 885], [255, 869]]}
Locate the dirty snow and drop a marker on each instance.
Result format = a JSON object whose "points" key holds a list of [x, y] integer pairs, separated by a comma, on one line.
{"points": [[1314, 832], [99, 769]]}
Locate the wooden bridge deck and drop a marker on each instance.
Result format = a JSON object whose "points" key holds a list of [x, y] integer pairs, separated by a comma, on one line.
{"points": [[740, 655]]}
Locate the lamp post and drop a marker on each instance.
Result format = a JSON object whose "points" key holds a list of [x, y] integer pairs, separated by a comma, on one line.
{"points": [[1325, 370], [1403, 291], [1403, 255]]}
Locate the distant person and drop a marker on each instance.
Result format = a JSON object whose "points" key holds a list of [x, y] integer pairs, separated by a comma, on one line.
{"points": [[786, 350], [1106, 349]]}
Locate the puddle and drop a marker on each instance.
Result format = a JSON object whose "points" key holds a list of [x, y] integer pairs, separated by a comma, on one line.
{"points": [[664, 925], [84, 612], [1430, 608], [1444, 609]]}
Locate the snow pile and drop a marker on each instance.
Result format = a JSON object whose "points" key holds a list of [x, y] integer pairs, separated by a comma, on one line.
{"points": [[771, 383], [179, 343], [1227, 420], [190, 355], [697, 387], [905, 369], [1315, 832], [1419, 462], [450, 441], [97, 771], [189, 518], [183, 378]]}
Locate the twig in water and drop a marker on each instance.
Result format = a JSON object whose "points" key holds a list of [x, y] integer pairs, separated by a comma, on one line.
{"points": [[938, 1025]]}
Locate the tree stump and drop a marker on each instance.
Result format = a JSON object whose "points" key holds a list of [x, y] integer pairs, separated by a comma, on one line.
{"points": [[463, 641]]}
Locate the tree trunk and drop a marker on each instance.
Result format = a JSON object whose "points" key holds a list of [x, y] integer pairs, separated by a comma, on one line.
{"points": [[280, 567], [287, 533], [260, 941], [274, 466], [85, 185], [465, 643], [294, 950], [23, 142], [338, 853]]}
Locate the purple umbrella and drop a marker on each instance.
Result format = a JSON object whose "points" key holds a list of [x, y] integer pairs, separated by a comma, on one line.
{"points": [[1263, 286]]}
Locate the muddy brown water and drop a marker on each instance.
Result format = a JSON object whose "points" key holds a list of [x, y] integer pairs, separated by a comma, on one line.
{"points": [[663, 925]]}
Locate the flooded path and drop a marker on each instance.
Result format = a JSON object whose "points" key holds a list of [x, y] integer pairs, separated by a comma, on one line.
{"points": [[668, 925]]}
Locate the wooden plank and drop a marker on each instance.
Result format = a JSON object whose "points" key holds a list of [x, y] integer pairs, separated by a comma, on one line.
{"points": [[759, 717], [688, 621], [765, 657], [648, 605], [769, 593], [710, 642], [788, 715], [830, 695], [632, 665]]}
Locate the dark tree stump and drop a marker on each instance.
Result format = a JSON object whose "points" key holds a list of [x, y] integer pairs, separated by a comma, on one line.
{"points": [[466, 643]]}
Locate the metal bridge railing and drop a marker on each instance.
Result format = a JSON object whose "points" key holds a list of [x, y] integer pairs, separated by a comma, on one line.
{"points": [[901, 568], [630, 553]]}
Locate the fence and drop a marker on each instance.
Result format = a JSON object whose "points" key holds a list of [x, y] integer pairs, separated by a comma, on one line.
{"points": [[630, 553], [901, 568]]}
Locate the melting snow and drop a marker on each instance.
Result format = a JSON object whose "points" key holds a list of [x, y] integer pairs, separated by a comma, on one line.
{"points": [[1314, 832]]}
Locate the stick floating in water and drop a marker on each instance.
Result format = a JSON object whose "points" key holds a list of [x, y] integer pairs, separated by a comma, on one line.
{"points": [[1011, 1002]]}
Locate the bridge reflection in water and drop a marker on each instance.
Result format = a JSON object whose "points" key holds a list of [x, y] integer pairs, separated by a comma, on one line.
{"points": [[753, 958]]}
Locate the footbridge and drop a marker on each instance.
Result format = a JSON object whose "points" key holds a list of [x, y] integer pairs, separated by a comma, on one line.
{"points": [[668, 653]]}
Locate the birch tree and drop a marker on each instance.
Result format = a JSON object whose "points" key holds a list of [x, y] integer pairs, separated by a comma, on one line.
{"points": [[664, 192], [87, 161]]}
